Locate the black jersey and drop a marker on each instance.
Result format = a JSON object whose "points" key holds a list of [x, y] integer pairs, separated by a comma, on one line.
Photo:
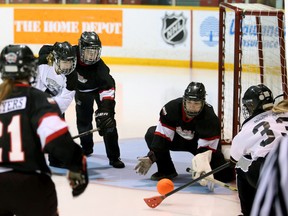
{"points": [[96, 78], [30, 125], [203, 130]]}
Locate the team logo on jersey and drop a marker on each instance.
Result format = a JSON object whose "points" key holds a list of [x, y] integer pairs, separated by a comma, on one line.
{"points": [[11, 57], [81, 78], [53, 86], [186, 134], [174, 28]]}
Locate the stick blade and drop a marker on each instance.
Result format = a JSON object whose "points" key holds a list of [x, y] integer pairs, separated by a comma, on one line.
{"points": [[153, 202]]}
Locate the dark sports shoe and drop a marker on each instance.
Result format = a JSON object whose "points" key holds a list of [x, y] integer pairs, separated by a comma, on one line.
{"points": [[158, 176], [117, 163]]}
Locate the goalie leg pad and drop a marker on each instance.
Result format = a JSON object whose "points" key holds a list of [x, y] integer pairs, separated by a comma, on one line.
{"points": [[200, 165]]}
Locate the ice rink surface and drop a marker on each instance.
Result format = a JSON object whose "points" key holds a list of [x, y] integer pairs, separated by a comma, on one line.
{"points": [[141, 91]]}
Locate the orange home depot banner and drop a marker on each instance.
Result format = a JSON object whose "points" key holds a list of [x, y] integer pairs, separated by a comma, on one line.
{"points": [[46, 26]]}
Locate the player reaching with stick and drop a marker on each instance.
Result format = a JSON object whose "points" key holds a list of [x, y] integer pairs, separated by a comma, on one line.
{"points": [[56, 76], [261, 130], [96, 84], [186, 124], [31, 125]]}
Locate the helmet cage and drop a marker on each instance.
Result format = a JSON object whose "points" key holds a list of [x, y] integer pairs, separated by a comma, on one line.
{"points": [[90, 54], [194, 92], [189, 113], [65, 67], [89, 47], [65, 58]]}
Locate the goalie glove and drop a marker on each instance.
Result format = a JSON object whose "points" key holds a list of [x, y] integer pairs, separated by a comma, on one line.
{"points": [[78, 180], [145, 163], [200, 166]]}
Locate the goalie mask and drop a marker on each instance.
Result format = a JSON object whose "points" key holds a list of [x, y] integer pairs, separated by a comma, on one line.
{"points": [[17, 62], [64, 58], [194, 99], [89, 48], [256, 100]]}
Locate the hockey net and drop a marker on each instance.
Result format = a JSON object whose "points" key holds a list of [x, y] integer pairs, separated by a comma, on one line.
{"points": [[251, 51]]}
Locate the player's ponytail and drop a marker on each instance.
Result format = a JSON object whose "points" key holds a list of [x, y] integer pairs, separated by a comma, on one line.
{"points": [[6, 88], [281, 107]]}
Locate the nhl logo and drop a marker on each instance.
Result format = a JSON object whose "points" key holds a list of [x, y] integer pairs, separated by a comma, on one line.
{"points": [[173, 30]]}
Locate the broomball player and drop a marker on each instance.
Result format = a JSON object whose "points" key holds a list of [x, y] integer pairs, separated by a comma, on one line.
{"points": [[186, 124], [31, 125], [262, 129], [56, 76], [93, 82], [96, 84], [55, 72]]}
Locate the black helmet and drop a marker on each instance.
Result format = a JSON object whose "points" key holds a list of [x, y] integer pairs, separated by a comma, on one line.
{"points": [[90, 42], [195, 91], [65, 58], [257, 99], [17, 62]]}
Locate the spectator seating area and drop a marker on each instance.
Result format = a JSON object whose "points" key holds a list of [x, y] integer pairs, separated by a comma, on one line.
{"points": [[204, 3]]}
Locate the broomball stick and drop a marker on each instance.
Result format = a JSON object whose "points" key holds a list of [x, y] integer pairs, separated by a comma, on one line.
{"points": [[85, 133], [153, 202], [217, 182]]}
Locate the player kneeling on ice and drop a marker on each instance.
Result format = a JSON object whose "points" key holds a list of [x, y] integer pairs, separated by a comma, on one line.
{"points": [[31, 125], [260, 132], [186, 124]]}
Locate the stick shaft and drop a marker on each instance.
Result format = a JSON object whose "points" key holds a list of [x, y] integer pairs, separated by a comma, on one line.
{"points": [[153, 202], [215, 181], [85, 133], [226, 165]]}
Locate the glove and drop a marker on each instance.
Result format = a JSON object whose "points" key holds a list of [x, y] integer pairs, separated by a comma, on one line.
{"points": [[200, 166], [78, 180], [104, 121], [144, 163], [143, 166]]}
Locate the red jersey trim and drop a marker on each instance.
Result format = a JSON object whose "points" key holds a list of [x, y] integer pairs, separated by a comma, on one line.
{"points": [[22, 85], [56, 134]]}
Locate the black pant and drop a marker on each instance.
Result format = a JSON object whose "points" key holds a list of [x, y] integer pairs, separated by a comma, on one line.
{"points": [[27, 194], [247, 185], [166, 166], [84, 114]]}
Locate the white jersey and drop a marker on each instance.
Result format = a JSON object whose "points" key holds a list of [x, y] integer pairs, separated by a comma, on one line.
{"points": [[49, 81], [258, 135]]}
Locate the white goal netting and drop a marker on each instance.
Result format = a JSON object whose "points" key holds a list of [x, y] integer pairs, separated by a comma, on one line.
{"points": [[251, 51]]}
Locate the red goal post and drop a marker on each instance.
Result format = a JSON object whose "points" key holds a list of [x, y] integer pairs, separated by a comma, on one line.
{"points": [[251, 51]]}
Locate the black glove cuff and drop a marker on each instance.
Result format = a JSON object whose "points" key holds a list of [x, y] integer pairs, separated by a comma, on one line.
{"points": [[152, 156]]}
